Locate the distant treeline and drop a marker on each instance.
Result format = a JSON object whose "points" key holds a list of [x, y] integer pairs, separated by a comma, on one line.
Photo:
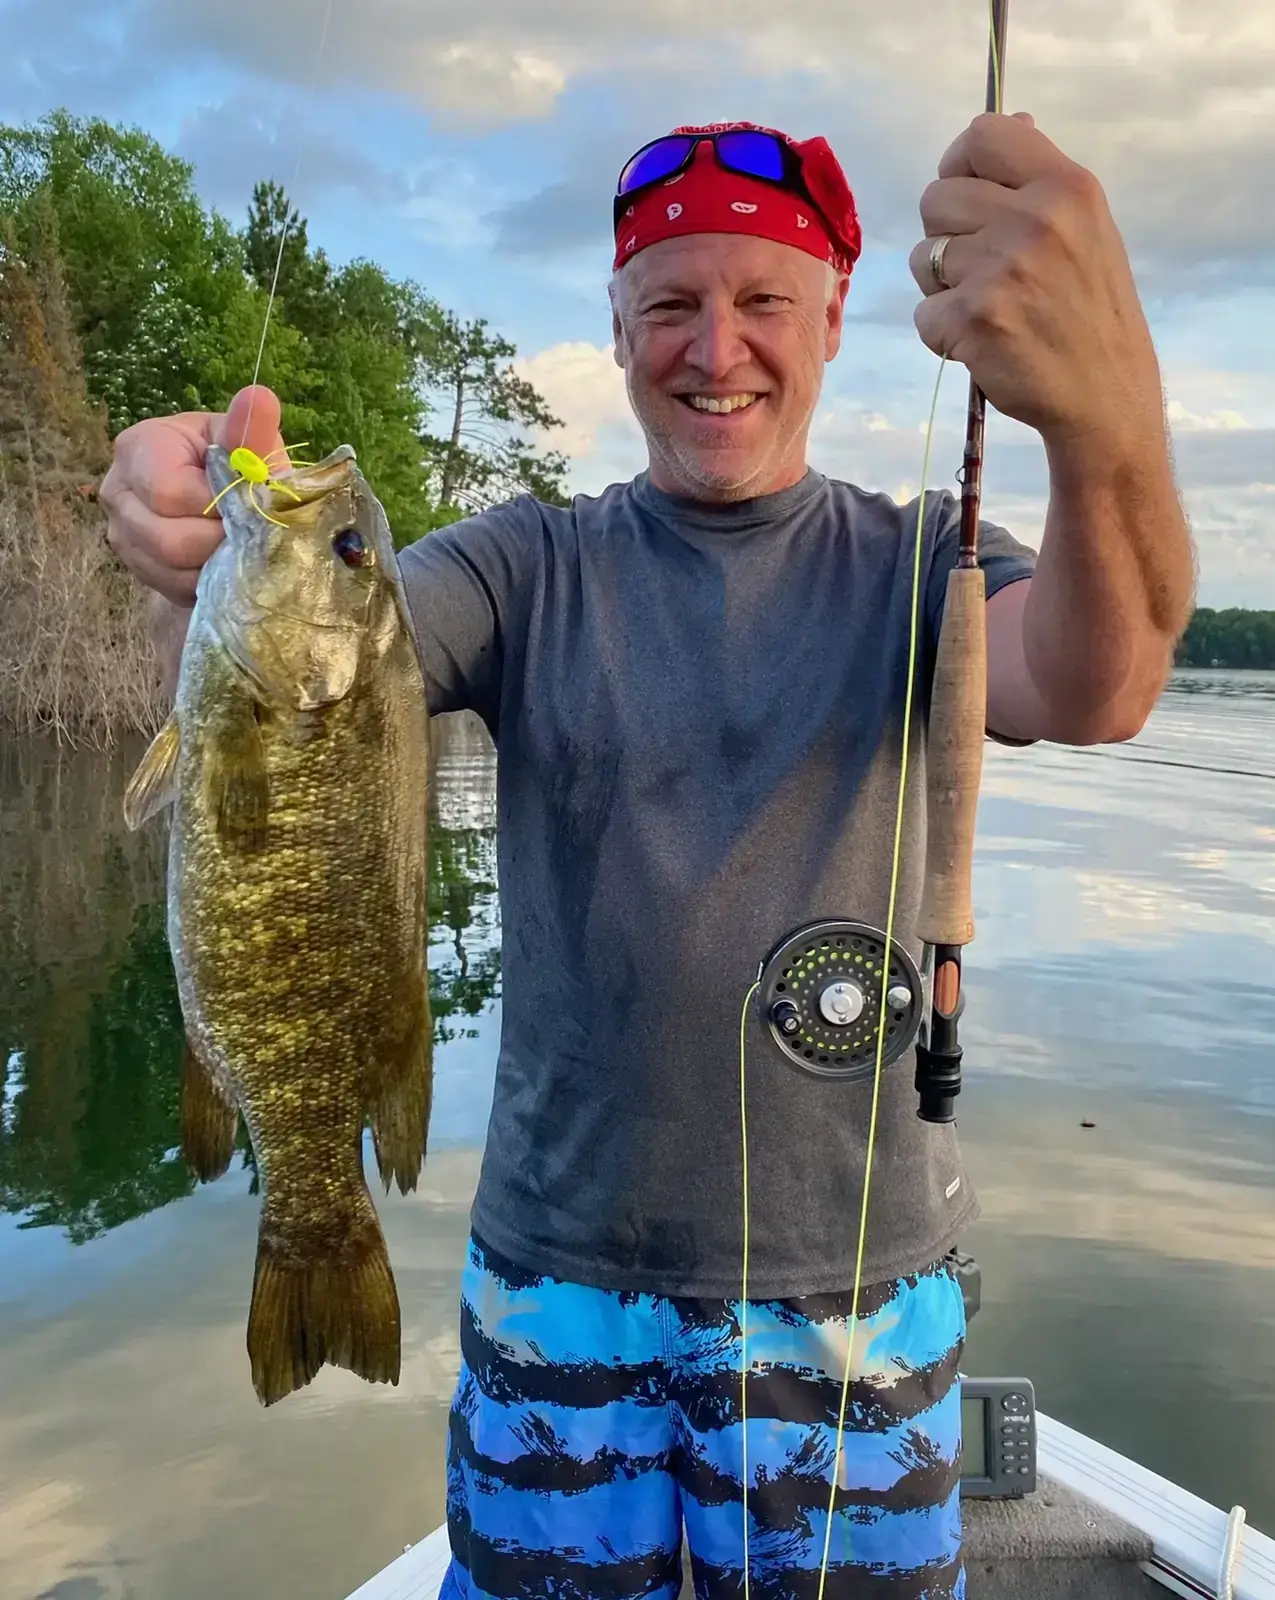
{"points": [[1232, 638], [122, 296]]}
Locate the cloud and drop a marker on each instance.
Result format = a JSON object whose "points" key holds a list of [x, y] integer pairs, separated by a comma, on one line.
{"points": [[558, 219], [1170, 105], [480, 83], [1188, 421], [1226, 458], [1209, 392], [1235, 532], [1208, 457], [586, 390], [1226, 474], [242, 141]]}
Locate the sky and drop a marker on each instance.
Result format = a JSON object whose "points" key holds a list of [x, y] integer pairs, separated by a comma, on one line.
{"points": [[472, 145]]}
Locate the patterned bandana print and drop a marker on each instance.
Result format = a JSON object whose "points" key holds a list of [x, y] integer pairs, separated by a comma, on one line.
{"points": [[705, 198]]}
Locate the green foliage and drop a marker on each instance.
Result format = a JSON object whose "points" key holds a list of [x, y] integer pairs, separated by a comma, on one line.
{"points": [[164, 312], [1235, 638], [277, 255], [169, 301], [363, 390]]}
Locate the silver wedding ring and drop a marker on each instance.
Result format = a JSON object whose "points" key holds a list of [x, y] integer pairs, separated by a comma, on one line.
{"points": [[937, 251]]}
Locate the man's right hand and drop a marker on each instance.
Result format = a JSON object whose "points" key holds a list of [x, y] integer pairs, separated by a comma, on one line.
{"points": [[156, 490]]}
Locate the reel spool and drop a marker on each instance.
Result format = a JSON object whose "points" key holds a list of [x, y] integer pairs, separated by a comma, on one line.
{"points": [[820, 995]]}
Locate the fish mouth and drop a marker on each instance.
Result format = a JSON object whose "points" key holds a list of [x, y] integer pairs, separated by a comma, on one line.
{"points": [[302, 488], [313, 484]]}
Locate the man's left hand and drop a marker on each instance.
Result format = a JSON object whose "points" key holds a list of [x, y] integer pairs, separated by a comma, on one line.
{"points": [[1040, 303]]}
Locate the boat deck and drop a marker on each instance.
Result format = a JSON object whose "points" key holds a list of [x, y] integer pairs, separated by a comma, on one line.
{"points": [[1098, 1528]]}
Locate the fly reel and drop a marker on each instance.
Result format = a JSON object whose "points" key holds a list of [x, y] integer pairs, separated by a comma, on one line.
{"points": [[820, 995]]}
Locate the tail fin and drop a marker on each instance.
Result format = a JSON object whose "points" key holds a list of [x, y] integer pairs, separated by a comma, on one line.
{"points": [[308, 1310]]}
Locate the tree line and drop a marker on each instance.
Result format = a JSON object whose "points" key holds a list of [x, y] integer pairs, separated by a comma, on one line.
{"points": [[1235, 638], [123, 296], [168, 301]]}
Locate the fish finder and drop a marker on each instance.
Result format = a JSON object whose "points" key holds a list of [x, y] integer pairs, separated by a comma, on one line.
{"points": [[998, 1415], [998, 1447]]}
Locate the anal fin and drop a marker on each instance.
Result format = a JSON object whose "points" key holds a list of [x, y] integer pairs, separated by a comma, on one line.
{"points": [[401, 1107], [209, 1120]]}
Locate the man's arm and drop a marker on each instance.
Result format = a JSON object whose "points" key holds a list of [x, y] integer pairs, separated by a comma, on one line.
{"points": [[1080, 653], [1037, 298], [169, 624]]}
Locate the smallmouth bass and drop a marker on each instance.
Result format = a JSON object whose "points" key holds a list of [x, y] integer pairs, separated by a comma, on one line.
{"points": [[297, 763]]}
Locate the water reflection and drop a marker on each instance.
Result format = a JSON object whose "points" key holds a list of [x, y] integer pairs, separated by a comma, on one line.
{"points": [[1129, 1269], [1129, 915], [90, 1028], [1123, 976]]}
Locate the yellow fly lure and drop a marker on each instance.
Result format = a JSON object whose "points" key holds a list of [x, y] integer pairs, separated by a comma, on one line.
{"points": [[256, 471]]}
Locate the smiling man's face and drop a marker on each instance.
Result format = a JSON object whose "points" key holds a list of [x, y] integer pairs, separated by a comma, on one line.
{"points": [[723, 339]]}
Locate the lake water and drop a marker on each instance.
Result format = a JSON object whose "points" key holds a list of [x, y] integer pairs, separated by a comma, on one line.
{"points": [[1124, 974]]}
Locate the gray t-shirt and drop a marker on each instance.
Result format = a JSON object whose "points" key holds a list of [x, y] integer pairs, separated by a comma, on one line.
{"points": [[698, 718]]}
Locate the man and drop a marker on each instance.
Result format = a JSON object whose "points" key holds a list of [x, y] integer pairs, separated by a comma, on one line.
{"points": [[695, 682]]}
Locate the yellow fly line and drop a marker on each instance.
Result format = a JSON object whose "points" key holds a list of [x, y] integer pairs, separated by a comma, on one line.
{"points": [[895, 864]]}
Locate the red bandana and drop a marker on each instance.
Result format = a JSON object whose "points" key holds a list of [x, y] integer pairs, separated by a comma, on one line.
{"points": [[705, 198]]}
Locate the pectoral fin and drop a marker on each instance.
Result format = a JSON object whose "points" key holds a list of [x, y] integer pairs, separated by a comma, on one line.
{"points": [[154, 785], [236, 782]]}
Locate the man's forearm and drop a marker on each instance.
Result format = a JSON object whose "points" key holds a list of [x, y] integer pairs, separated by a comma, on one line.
{"points": [[168, 624], [1113, 587]]}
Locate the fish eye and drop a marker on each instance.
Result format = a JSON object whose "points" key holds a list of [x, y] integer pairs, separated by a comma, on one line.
{"points": [[349, 545]]}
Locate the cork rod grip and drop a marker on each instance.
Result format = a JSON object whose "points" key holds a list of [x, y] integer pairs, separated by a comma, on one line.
{"points": [[958, 720]]}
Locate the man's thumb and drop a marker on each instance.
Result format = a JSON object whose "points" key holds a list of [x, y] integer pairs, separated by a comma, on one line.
{"points": [[252, 420]]}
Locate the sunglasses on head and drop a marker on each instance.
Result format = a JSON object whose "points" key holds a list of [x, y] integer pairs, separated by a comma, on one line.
{"points": [[751, 153]]}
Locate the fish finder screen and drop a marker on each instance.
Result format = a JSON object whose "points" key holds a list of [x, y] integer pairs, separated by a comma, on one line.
{"points": [[974, 1442]]}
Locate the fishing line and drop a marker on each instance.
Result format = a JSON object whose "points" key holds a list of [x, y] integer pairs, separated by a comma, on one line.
{"points": [[743, 1295], [896, 860], [287, 220]]}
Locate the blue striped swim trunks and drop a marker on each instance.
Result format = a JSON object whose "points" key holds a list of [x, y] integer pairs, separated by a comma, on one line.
{"points": [[592, 1430]]}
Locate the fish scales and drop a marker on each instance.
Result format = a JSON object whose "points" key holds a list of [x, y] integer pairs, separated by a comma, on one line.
{"points": [[297, 760]]}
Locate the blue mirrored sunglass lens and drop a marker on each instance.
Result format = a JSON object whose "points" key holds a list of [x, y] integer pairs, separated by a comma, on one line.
{"points": [[649, 166], [758, 154]]}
